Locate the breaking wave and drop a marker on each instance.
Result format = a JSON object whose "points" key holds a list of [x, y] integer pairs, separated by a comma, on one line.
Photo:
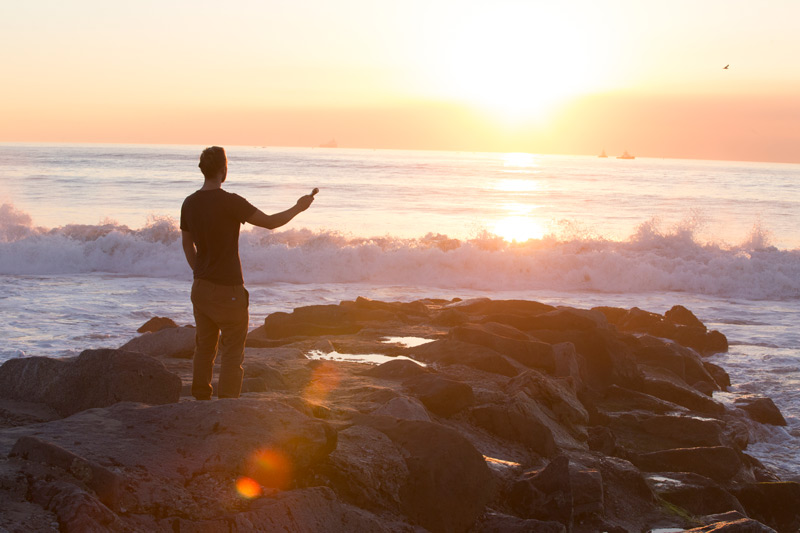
{"points": [[650, 260]]}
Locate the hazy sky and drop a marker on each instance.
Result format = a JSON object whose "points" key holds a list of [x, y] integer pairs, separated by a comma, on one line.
{"points": [[533, 76]]}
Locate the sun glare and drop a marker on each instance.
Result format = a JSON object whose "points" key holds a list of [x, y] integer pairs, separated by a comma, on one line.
{"points": [[517, 228], [519, 61], [516, 160], [520, 185]]}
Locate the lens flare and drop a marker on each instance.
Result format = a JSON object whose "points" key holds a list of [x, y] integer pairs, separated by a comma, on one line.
{"points": [[324, 378], [248, 488], [270, 468]]}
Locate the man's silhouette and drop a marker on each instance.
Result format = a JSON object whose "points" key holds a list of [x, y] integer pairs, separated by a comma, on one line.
{"points": [[210, 220]]}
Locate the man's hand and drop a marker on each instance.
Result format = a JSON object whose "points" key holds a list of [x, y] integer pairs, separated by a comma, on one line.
{"points": [[304, 202]]}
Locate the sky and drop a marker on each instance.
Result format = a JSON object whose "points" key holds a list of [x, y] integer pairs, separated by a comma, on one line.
{"points": [[570, 77]]}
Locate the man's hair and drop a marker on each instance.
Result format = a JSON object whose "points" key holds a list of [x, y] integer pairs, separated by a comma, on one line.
{"points": [[212, 160]]}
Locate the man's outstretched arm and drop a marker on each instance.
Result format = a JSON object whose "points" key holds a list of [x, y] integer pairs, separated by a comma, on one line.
{"points": [[259, 218], [189, 249]]}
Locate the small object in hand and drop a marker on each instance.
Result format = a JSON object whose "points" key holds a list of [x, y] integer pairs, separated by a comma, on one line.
{"points": [[315, 191]]}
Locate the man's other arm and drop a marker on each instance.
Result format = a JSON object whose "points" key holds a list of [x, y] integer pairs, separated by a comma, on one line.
{"points": [[189, 249], [259, 218]]}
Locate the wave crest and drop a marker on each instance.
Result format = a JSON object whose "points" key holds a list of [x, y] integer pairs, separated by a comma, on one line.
{"points": [[650, 261]]}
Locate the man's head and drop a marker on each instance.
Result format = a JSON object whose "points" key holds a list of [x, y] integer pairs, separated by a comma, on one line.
{"points": [[214, 162]]}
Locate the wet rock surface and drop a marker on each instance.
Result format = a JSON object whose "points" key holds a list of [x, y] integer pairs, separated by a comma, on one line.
{"points": [[519, 416]]}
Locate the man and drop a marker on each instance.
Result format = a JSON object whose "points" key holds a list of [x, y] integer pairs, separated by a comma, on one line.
{"points": [[210, 220]]}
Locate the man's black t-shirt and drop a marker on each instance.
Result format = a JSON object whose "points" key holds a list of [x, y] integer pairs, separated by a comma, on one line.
{"points": [[213, 218]]}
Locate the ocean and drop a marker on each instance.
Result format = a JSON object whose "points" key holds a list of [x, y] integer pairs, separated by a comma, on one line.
{"points": [[90, 248]]}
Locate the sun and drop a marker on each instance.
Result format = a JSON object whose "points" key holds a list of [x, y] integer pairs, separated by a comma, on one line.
{"points": [[517, 228], [519, 61]]}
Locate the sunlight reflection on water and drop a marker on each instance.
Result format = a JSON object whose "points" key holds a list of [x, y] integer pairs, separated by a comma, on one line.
{"points": [[369, 358]]}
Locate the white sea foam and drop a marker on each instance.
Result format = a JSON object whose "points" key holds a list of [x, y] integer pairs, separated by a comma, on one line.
{"points": [[648, 261]]}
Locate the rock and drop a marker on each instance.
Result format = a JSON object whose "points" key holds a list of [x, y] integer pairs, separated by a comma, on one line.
{"points": [[614, 315], [16, 413], [449, 318], [404, 408], [96, 378], [514, 422], [662, 356], [721, 377], [587, 492], [705, 387], [681, 361], [485, 306], [683, 317], [530, 353], [664, 384], [729, 516], [567, 318], [314, 320], [622, 477], [775, 504], [183, 459], [493, 522], [616, 399], [716, 342], [568, 363], [397, 369], [105, 483], [171, 342], [367, 469], [357, 316], [606, 358], [626, 498], [157, 323], [761, 410], [503, 330], [741, 525], [691, 335], [452, 352], [601, 439], [697, 494], [555, 395], [253, 385], [76, 509], [719, 463], [271, 378], [705, 342], [638, 320], [442, 396], [644, 433], [449, 483], [418, 308], [306, 510], [546, 494], [688, 431]]}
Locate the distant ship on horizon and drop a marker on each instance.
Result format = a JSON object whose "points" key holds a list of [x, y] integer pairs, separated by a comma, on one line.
{"points": [[603, 153], [330, 144], [626, 155]]}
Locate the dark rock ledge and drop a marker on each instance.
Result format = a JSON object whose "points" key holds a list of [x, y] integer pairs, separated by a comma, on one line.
{"points": [[526, 417]]}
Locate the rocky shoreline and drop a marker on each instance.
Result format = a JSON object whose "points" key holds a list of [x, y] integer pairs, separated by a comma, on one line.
{"points": [[520, 417]]}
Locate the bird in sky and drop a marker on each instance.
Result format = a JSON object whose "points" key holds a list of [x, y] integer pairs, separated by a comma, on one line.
{"points": [[725, 67]]}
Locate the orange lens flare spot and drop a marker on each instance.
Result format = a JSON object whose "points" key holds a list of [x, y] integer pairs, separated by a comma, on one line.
{"points": [[270, 468], [248, 488]]}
